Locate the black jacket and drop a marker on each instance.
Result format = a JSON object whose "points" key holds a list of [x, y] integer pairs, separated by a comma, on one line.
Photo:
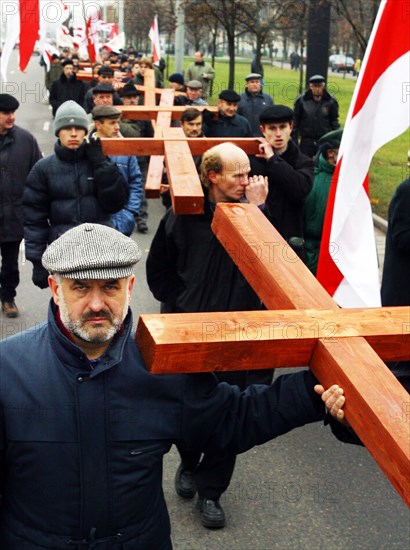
{"points": [[64, 89], [64, 190], [314, 119], [290, 177], [81, 450], [189, 270], [19, 151], [236, 126]]}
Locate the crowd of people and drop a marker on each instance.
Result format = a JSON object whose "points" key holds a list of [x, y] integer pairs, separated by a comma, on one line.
{"points": [[77, 210]]}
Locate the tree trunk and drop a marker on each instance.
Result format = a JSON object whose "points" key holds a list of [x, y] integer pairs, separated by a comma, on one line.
{"points": [[231, 54]]}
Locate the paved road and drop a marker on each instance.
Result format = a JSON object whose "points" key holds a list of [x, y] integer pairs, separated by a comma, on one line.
{"points": [[304, 491]]}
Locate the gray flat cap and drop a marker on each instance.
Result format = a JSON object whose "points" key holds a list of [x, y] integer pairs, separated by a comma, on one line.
{"points": [[253, 76], [105, 111], [194, 84], [92, 251]]}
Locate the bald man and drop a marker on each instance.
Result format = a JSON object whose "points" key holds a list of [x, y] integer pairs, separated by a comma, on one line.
{"points": [[188, 270]]}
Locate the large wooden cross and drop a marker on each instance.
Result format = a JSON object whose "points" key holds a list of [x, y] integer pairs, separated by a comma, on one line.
{"points": [[306, 328]]}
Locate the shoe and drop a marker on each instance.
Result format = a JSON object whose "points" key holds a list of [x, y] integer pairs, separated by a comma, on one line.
{"points": [[185, 485], [212, 514], [142, 227], [9, 309]]}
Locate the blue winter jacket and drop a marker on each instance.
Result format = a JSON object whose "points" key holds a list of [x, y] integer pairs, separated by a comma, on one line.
{"points": [[81, 449], [124, 219]]}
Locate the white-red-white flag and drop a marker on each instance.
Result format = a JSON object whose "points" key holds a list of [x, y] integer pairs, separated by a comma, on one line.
{"points": [[154, 37], [379, 112]]}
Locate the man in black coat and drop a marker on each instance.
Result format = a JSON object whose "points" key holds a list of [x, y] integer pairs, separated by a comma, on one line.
{"points": [[75, 184], [228, 123], [395, 289], [289, 173], [66, 87], [19, 151], [188, 270], [316, 114]]}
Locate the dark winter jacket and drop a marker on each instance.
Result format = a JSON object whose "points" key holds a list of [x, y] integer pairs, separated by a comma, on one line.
{"points": [[124, 220], [64, 89], [251, 105], [189, 270], [64, 190], [314, 119], [19, 151], [315, 209], [290, 177], [81, 450], [236, 126]]}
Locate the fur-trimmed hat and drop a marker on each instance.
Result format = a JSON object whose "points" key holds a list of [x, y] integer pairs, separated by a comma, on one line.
{"points": [[92, 251]]}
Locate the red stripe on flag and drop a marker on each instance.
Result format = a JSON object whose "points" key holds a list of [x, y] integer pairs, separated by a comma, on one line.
{"points": [[391, 42], [29, 29]]}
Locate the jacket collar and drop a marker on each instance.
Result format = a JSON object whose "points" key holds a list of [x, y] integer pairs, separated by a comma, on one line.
{"points": [[70, 155]]}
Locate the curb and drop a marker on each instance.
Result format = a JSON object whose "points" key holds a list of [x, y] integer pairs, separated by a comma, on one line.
{"points": [[380, 223]]}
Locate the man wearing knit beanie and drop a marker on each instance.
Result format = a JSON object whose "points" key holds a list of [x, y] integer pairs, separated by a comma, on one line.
{"points": [[75, 184], [19, 151]]}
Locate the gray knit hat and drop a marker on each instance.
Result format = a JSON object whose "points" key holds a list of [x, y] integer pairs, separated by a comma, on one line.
{"points": [[69, 114], [92, 251]]}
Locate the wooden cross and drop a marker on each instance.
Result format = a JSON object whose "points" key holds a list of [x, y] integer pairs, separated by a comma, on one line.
{"points": [[317, 333]]}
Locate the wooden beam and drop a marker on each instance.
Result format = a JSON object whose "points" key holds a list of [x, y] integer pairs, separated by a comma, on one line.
{"points": [[377, 406], [185, 185], [155, 146], [196, 342], [149, 84], [156, 162], [143, 112], [280, 279]]}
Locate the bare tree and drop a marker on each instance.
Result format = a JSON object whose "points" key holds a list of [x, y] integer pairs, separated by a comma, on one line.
{"points": [[359, 16]]}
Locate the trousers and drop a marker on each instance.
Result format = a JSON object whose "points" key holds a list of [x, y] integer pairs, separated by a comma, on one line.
{"points": [[9, 272]]}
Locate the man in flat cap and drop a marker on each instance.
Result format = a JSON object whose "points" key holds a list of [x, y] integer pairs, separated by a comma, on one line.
{"points": [[228, 123], [19, 151], [193, 95], [85, 426], [105, 76], [253, 101], [107, 125], [289, 173], [316, 201], [316, 113], [75, 184]]}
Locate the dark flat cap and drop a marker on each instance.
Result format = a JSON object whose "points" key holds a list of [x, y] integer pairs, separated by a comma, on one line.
{"points": [[105, 111], [129, 90], [67, 62], [103, 89], [253, 76], [8, 103], [229, 95], [317, 79], [194, 84], [276, 113], [92, 251]]}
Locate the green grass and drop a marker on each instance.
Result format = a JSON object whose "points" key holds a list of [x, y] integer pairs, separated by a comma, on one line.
{"points": [[388, 167]]}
